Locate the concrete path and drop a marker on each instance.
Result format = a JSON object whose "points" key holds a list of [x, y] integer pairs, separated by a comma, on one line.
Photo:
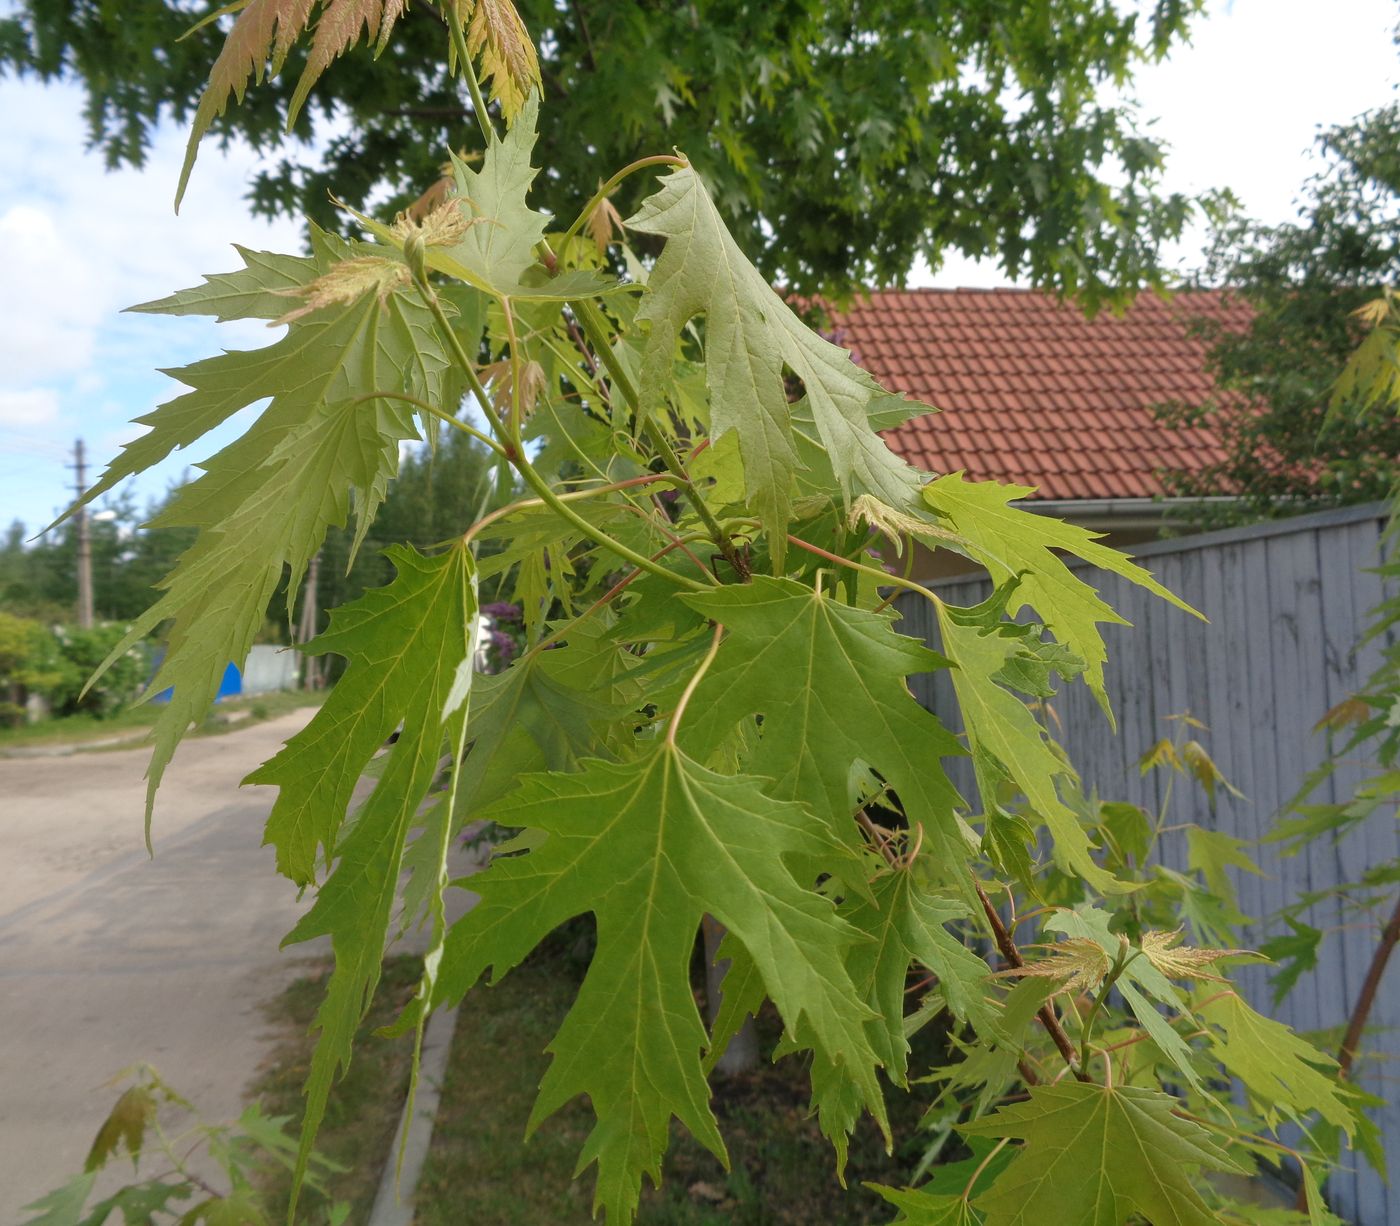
{"points": [[108, 957]]}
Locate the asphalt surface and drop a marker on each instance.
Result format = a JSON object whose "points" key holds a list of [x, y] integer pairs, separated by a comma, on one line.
{"points": [[109, 957]]}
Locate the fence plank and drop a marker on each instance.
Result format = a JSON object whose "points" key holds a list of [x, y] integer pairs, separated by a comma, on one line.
{"points": [[1287, 602]]}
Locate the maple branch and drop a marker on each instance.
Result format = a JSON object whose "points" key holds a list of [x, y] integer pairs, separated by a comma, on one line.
{"points": [[521, 462], [692, 684], [572, 496], [516, 416], [908, 571], [464, 59], [659, 159], [443, 414], [1366, 998], [1120, 964], [883, 576], [1046, 1013], [877, 833]]}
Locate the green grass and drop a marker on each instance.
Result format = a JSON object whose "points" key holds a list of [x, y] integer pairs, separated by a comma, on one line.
{"points": [[481, 1170], [77, 729], [365, 1105]]}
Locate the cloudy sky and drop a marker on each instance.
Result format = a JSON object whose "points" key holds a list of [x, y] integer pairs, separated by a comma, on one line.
{"points": [[1239, 107]]}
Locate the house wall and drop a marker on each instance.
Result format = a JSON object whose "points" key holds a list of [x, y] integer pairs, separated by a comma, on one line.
{"points": [[1287, 604]]}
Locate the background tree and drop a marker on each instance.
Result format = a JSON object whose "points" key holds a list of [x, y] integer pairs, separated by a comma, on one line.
{"points": [[39, 578], [437, 490], [718, 711], [842, 140], [1305, 279]]}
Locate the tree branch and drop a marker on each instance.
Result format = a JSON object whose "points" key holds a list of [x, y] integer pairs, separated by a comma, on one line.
{"points": [[1007, 945]]}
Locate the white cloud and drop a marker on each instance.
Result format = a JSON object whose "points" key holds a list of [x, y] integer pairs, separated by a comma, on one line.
{"points": [[78, 244], [1240, 105], [28, 409], [52, 306]]}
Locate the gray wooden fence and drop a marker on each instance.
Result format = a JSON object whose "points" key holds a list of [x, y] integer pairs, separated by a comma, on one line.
{"points": [[1287, 603]]}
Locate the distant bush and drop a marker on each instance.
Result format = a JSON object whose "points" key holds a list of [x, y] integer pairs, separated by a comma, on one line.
{"points": [[30, 662], [82, 651], [57, 662]]}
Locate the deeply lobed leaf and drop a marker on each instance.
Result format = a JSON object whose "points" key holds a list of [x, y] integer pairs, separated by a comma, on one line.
{"points": [[1098, 1156], [648, 847], [406, 644], [751, 338]]}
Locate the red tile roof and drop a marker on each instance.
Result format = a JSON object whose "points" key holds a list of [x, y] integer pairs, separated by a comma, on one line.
{"points": [[1032, 392]]}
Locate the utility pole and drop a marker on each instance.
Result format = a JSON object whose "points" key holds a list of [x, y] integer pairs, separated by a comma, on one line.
{"points": [[311, 665], [81, 526]]}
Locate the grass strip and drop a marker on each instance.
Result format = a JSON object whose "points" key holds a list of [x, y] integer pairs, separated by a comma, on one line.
{"points": [[479, 1170]]}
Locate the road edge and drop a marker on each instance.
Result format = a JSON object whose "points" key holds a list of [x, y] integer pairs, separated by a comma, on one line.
{"points": [[393, 1203]]}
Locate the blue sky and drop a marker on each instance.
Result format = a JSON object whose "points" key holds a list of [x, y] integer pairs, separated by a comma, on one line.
{"points": [[1239, 106]]}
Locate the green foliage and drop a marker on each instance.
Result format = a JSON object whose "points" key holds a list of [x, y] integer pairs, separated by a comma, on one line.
{"points": [[1061, 1175], [1285, 449], [711, 715], [841, 140], [679, 841], [57, 662], [27, 662], [150, 1117], [39, 579], [124, 660]]}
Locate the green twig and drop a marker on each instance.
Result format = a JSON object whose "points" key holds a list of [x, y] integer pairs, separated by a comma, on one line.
{"points": [[464, 59], [1086, 1032], [442, 414], [660, 159], [884, 577], [522, 465]]}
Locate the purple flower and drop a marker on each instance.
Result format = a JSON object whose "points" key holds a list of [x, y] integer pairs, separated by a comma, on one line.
{"points": [[502, 611]]}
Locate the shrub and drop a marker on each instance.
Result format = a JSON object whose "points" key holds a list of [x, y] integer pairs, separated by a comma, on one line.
{"points": [[81, 651], [30, 662]]}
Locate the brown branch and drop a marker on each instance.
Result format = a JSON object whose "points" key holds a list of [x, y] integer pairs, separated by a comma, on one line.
{"points": [[1046, 1013], [587, 36], [1366, 998]]}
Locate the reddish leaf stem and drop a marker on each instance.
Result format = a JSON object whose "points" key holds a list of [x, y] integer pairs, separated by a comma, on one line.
{"points": [[1007, 945]]}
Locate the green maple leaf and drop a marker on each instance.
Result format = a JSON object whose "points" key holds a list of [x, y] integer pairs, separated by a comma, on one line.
{"points": [[258, 290], [323, 358], [496, 254], [1285, 1075], [63, 1206], [750, 336], [266, 500], [843, 702], [649, 847], [907, 924], [409, 647], [1006, 741], [946, 1199], [1139, 984], [1020, 545], [1293, 953], [1099, 1156], [1210, 853]]}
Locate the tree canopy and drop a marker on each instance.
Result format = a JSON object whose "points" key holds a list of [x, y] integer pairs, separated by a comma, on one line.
{"points": [[842, 140], [1286, 449]]}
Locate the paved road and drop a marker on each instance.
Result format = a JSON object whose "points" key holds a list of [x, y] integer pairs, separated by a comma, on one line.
{"points": [[108, 957]]}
